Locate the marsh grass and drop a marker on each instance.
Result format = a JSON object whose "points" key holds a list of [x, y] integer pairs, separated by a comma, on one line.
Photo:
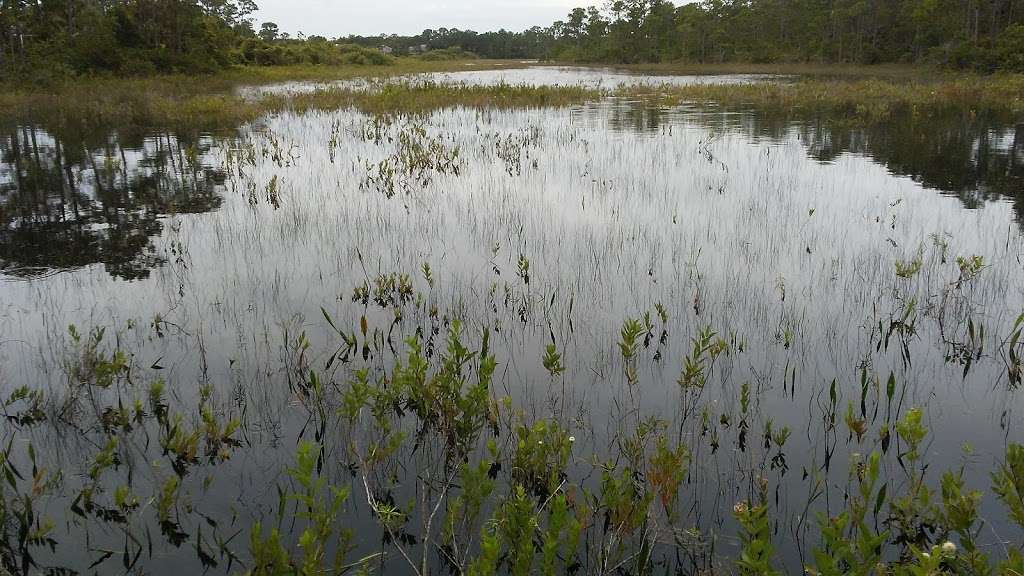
{"points": [[221, 113], [214, 103], [181, 102], [421, 97], [855, 99]]}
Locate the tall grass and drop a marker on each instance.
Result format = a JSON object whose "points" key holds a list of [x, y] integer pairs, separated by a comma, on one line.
{"points": [[857, 98], [148, 107]]}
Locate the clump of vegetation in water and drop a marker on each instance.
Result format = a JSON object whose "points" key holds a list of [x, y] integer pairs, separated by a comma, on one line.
{"points": [[857, 99], [418, 159]]}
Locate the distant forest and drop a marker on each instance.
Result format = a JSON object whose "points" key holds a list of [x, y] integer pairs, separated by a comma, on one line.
{"points": [[982, 34], [140, 37]]}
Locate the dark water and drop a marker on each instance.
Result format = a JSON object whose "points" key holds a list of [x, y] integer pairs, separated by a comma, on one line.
{"points": [[67, 206], [208, 260]]}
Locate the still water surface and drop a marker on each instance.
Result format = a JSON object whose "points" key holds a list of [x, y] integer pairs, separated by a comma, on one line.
{"points": [[206, 259]]}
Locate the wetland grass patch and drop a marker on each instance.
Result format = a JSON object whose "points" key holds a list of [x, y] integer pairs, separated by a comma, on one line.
{"points": [[214, 103], [855, 99]]}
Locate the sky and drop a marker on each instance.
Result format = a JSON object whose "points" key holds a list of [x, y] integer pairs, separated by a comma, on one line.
{"points": [[333, 18]]}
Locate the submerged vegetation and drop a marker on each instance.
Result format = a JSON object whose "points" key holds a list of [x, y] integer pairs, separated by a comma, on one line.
{"points": [[457, 476]]}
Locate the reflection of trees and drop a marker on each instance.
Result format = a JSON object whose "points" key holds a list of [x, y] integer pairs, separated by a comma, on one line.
{"points": [[976, 158], [633, 118], [66, 205]]}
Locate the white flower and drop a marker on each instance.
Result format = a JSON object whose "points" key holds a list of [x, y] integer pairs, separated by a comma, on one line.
{"points": [[540, 442], [926, 555], [948, 549], [572, 439]]}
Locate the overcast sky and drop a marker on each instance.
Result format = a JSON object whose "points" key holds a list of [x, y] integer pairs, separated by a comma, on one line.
{"points": [[333, 18]]}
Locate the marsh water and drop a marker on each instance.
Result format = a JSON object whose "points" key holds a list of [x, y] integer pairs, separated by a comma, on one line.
{"points": [[212, 262]]}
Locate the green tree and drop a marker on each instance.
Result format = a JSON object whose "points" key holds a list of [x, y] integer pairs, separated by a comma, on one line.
{"points": [[268, 31]]}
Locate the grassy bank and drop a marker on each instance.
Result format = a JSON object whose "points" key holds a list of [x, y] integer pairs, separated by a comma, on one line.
{"points": [[857, 98]]}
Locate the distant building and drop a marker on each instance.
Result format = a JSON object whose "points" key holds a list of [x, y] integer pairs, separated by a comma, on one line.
{"points": [[387, 49], [418, 49]]}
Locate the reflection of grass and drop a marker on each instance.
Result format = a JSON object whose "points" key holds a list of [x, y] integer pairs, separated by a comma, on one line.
{"points": [[424, 439]]}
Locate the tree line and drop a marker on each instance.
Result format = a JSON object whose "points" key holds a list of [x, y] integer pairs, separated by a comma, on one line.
{"points": [[138, 37], [43, 39], [982, 34], [987, 34], [123, 36]]}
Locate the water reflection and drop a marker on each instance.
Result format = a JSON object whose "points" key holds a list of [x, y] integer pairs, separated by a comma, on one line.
{"points": [[977, 159], [64, 205], [591, 77]]}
